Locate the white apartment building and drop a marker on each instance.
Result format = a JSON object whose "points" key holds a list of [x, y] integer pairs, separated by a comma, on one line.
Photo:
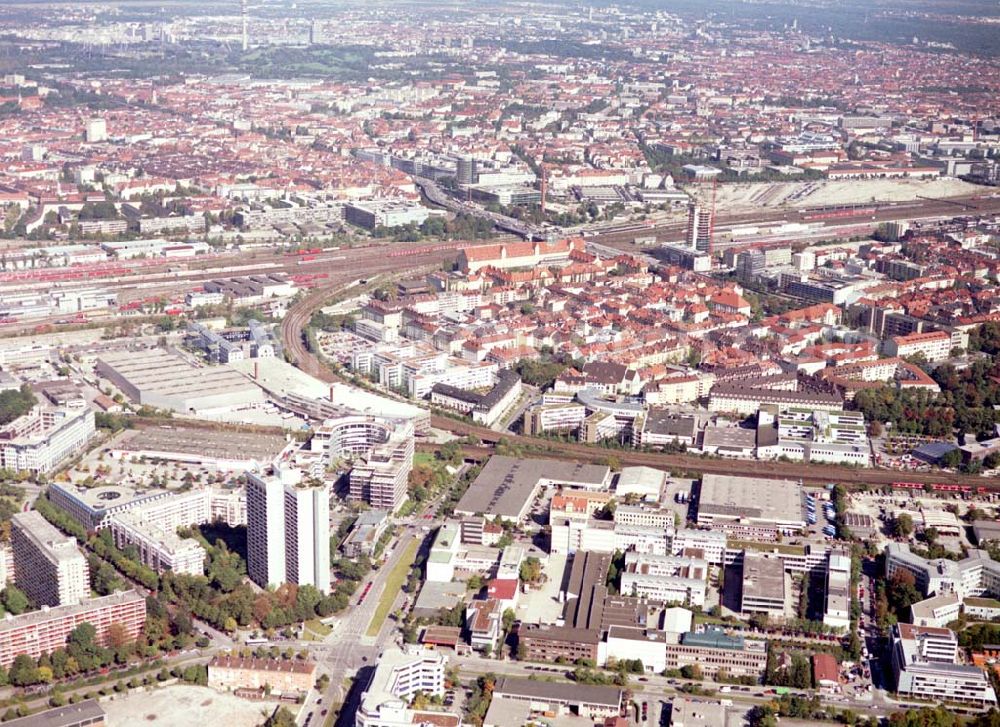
{"points": [[288, 530], [398, 677], [38, 441], [934, 345], [49, 566], [152, 527], [159, 548], [307, 536], [925, 663]]}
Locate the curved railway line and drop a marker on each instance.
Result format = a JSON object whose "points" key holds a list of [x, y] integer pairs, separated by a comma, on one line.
{"points": [[293, 336]]}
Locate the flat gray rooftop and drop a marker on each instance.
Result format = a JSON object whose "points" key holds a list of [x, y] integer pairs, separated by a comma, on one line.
{"points": [[752, 497], [506, 485]]}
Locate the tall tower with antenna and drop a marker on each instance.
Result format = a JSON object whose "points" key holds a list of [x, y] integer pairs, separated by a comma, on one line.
{"points": [[245, 37]]}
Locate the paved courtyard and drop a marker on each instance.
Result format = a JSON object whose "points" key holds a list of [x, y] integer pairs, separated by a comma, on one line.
{"points": [[183, 706]]}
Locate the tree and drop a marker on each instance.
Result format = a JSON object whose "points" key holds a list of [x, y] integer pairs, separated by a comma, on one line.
{"points": [[509, 617], [938, 716], [692, 671], [280, 718], [531, 570], [14, 599], [23, 671], [117, 636], [902, 525]]}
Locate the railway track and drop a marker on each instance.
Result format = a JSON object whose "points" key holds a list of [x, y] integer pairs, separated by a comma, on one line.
{"points": [[810, 473], [950, 207], [293, 335]]}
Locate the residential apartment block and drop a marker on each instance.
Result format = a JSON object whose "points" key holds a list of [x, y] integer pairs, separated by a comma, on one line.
{"points": [[288, 530], [49, 566], [41, 439], [42, 632]]}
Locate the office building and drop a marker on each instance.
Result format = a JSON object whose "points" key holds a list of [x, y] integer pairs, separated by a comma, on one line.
{"points": [[763, 585], [665, 578], [398, 677], [837, 607], [49, 566], [925, 664], [547, 642], [708, 544], [751, 508], [288, 530], [385, 213], [975, 575], [42, 632], [713, 650], [38, 441], [750, 265], [97, 131], [936, 611]]}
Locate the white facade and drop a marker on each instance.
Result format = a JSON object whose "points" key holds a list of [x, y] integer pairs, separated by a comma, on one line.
{"points": [[712, 544], [399, 676], [41, 439], [837, 611], [668, 579], [49, 566], [266, 529], [925, 663], [288, 530], [159, 548], [307, 536]]}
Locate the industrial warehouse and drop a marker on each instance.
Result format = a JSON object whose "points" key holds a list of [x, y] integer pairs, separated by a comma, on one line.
{"points": [[165, 380]]}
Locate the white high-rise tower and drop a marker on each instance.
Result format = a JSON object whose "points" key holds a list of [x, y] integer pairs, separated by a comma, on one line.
{"points": [[288, 530]]}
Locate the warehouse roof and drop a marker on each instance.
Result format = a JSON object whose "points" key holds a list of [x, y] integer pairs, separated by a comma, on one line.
{"points": [[506, 485], [566, 693], [751, 497]]}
